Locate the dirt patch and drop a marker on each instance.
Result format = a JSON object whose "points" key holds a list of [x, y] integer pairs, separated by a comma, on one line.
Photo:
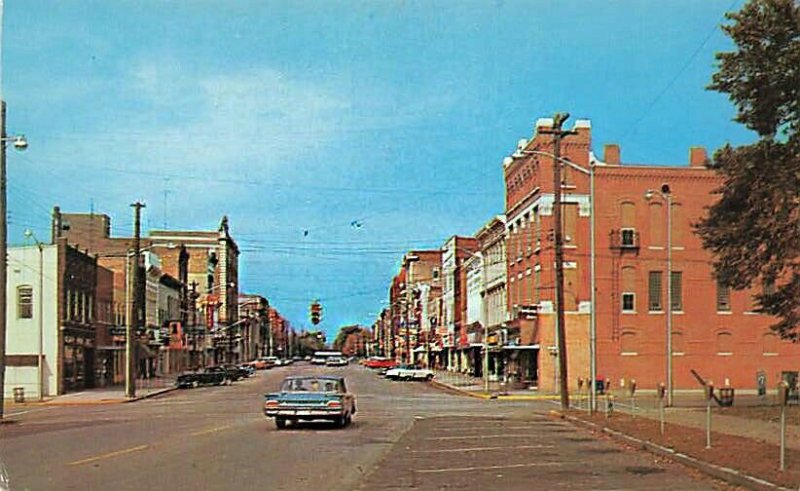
{"points": [[756, 458]]}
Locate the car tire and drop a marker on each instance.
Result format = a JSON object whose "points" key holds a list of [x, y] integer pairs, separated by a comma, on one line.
{"points": [[280, 423], [429, 377]]}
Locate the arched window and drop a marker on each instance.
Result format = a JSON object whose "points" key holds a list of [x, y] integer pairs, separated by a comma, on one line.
{"points": [[656, 224], [628, 343], [628, 294], [770, 344], [678, 343], [724, 343]]}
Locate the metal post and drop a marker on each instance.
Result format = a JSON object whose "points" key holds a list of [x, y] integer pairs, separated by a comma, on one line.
{"points": [[39, 314], [669, 295], [130, 391], [783, 437], [708, 422], [593, 286]]}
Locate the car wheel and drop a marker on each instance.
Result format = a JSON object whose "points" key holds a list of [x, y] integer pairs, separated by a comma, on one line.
{"points": [[280, 423], [429, 377]]}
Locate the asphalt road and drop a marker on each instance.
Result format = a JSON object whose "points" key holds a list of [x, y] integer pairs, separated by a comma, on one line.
{"points": [[405, 435]]}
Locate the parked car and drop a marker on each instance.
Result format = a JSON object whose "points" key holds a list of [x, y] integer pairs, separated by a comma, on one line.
{"points": [[235, 372], [258, 364], [310, 397], [409, 372], [271, 361], [336, 361], [249, 369], [318, 360], [208, 376], [379, 362]]}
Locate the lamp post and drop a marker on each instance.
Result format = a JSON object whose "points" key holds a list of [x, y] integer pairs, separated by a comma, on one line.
{"points": [[592, 260], [666, 194], [39, 310]]}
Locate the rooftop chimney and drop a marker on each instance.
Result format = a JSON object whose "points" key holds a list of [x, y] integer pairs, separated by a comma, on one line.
{"points": [[611, 154], [698, 157]]}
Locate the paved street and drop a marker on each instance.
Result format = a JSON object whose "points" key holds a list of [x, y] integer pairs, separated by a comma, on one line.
{"points": [[405, 435]]}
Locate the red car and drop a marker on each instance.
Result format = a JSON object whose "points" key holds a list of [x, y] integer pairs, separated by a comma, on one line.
{"points": [[380, 363]]}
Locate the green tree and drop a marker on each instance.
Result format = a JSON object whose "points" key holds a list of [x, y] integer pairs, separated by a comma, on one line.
{"points": [[753, 230]]}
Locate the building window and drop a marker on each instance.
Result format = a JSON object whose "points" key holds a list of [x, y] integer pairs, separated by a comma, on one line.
{"points": [[435, 273], [25, 302], [676, 287], [770, 346], [628, 237], [678, 343], [628, 344], [655, 303], [724, 343], [723, 298], [629, 302]]}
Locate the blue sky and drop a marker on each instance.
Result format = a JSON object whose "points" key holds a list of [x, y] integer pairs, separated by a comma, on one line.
{"points": [[297, 115]]}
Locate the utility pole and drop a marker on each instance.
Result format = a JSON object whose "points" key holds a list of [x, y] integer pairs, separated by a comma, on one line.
{"points": [[3, 247], [558, 134], [134, 308]]}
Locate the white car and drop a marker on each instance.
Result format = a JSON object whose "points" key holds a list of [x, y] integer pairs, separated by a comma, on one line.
{"points": [[409, 372]]}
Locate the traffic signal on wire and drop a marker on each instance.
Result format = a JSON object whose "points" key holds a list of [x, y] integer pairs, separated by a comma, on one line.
{"points": [[316, 312]]}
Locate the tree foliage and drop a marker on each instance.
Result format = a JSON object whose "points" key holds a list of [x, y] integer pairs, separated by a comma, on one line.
{"points": [[753, 230]]}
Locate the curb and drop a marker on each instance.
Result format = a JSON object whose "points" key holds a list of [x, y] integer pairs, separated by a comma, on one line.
{"points": [[727, 474], [98, 402], [494, 396]]}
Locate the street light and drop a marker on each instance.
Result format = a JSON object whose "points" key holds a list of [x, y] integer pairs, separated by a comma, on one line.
{"points": [[666, 194], [40, 369], [520, 153]]}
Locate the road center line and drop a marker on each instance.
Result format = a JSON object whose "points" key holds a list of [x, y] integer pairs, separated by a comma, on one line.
{"points": [[482, 449], [109, 455], [487, 467], [211, 430], [480, 437]]}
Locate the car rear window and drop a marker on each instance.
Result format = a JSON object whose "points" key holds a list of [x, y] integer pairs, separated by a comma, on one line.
{"points": [[310, 385]]}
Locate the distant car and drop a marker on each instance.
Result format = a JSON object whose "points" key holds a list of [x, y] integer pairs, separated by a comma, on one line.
{"points": [[248, 368], [307, 358], [235, 372], [307, 398], [297, 358], [378, 362], [409, 372], [318, 360], [258, 364], [209, 376], [336, 361], [270, 361]]}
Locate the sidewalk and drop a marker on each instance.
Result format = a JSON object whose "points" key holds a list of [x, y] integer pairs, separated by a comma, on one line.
{"points": [[475, 387], [145, 388]]}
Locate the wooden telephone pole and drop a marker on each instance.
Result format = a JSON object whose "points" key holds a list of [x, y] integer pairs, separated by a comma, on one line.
{"points": [[558, 135]]}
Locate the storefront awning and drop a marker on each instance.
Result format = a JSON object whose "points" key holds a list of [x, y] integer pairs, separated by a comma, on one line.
{"points": [[522, 347]]}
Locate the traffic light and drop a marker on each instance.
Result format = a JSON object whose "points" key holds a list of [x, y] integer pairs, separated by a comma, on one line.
{"points": [[316, 312]]}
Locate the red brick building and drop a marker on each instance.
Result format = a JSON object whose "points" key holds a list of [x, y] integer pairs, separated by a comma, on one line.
{"points": [[715, 331]]}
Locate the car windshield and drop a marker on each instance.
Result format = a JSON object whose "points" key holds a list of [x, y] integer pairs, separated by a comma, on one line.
{"points": [[310, 384]]}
